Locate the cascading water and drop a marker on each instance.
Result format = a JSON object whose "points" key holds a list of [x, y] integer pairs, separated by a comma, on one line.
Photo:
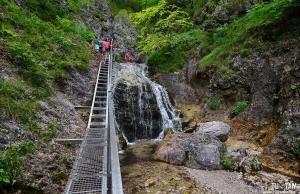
{"points": [[142, 107]]}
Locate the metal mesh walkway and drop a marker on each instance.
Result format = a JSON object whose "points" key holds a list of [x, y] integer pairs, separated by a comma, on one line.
{"points": [[89, 173]]}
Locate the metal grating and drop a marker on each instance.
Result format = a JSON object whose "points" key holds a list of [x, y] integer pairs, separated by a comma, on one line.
{"points": [[89, 172], [91, 185]]}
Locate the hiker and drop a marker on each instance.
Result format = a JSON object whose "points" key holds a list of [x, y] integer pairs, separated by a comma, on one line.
{"points": [[95, 45], [127, 57], [110, 40], [107, 46], [103, 51]]}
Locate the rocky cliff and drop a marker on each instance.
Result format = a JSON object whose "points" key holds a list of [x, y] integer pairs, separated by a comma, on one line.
{"points": [[269, 82]]}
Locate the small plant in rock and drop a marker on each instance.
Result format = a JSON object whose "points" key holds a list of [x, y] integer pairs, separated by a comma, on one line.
{"points": [[49, 133], [239, 107], [275, 98], [295, 148], [227, 162], [67, 145], [214, 104], [293, 86], [189, 153], [289, 128]]}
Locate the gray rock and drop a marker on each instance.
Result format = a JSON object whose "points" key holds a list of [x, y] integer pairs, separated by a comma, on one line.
{"points": [[245, 160], [219, 129], [198, 151]]}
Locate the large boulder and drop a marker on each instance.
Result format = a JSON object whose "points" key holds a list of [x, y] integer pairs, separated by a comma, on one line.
{"points": [[199, 151], [216, 128]]}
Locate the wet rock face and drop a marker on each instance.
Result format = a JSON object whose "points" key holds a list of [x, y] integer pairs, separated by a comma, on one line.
{"points": [[142, 107], [216, 128], [181, 91], [136, 111], [199, 151]]}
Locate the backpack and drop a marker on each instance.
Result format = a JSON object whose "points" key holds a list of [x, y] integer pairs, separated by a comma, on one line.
{"points": [[97, 41]]}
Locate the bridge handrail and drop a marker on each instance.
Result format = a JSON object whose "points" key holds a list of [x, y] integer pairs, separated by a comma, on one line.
{"points": [[116, 180]]}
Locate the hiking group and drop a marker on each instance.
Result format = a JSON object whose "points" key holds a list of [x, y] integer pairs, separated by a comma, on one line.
{"points": [[102, 47]]}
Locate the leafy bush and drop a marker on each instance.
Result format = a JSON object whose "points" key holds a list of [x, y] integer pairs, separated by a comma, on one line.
{"points": [[239, 107], [214, 104], [11, 161], [227, 162]]}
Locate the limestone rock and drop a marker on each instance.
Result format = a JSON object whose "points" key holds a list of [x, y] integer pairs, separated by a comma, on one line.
{"points": [[199, 151], [216, 128], [245, 160]]}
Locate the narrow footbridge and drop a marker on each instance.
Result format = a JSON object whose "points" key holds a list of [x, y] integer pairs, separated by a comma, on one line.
{"points": [[96, 168]]}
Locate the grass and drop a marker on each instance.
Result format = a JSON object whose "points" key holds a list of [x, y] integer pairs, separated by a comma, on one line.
{"points": [[227, 162], [214, 104], [239, 107]]}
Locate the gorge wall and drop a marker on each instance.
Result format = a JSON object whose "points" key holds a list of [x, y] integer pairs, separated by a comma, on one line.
{"points": [[269, 83]]}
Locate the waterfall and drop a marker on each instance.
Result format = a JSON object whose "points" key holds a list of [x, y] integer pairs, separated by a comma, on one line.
{"points": [[142, 107]]}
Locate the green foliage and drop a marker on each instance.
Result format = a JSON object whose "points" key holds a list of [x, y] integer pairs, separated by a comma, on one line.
{"points": [[275, 98], [293, 86], [295, 148], [33, 126], [162, 18], [41, 52], [173, 50], [289, 128], [17, 100], [49, 133], [67, 145], [227, 162], [213, 104], [239, 107], [11, 161], [130, 5], [257, 30]]}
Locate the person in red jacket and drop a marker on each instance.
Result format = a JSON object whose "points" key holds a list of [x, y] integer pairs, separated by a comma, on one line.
{"points": [[107, 47], [127, 57]]}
